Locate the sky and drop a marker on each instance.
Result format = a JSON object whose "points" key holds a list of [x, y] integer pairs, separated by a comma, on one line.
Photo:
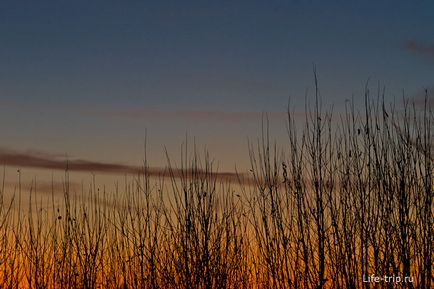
{"points": [[90, 80]]}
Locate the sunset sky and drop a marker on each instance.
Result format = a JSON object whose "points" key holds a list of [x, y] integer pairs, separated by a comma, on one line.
{"points": [[86, 79]]}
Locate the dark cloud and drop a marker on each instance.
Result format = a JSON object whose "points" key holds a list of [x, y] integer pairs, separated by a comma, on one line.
{"points": [[48, 161], [423, 49], [54, 162]]}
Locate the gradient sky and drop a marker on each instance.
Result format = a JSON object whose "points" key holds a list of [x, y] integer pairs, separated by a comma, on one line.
{"points": [[87, 78]]}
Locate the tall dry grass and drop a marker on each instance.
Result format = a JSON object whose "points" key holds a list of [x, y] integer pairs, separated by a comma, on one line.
{"points": [[348, 196]]}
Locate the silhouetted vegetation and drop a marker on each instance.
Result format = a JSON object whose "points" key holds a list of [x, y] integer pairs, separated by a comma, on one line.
{"points": [[349, 196]]}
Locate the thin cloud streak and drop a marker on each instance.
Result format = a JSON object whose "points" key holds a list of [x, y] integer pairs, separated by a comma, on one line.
{"points": [[195, 115], [44, 187], [48, 161], [420, 48]]}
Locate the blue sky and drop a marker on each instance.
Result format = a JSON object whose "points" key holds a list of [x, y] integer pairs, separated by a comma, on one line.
{"points": [[87, 78]]}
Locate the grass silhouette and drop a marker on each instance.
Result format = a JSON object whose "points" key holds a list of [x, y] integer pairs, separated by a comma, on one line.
{"points": [[343, 201]]}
